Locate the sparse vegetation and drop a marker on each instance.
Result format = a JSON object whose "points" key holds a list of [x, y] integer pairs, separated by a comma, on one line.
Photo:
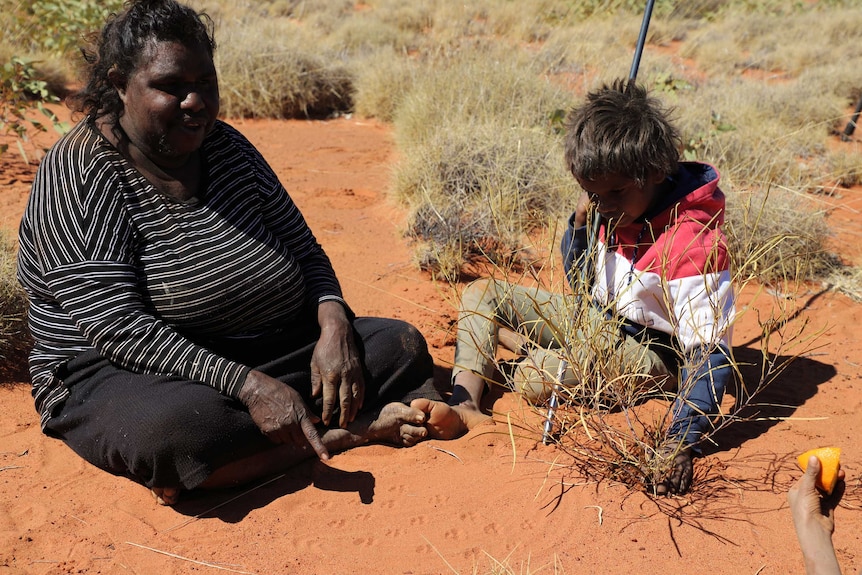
{"points": [[21, 94], [38, 42], [476, 92], [15, 339]]}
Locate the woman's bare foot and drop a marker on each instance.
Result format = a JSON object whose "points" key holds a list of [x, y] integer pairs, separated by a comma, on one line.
{"points": [[398, 424], [166, 495], [446, 421]]}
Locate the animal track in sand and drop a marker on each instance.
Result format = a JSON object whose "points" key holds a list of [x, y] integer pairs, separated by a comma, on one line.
{"points": [[455, 534], [365, 541]]}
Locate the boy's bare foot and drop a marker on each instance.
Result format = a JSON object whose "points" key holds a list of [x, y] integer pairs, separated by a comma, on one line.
{"points": [[398, 424], [681, 471], [166, 495], [446, 421]]}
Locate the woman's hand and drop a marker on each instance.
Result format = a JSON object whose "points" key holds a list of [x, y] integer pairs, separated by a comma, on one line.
{"points": [[336, 371], [280, 413], [814, 520]]}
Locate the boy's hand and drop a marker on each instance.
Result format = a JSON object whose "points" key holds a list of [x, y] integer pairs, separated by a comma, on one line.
{"points": [[681, 472], [581, 210]]}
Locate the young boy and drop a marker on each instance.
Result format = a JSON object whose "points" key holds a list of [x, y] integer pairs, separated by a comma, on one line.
{"points": [[661, 280]]}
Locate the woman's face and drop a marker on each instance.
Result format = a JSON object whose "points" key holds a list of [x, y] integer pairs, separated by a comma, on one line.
{"points": [[170, 102]]}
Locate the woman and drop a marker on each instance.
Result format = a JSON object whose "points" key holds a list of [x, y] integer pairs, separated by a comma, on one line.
{"points": [[190, 331]]}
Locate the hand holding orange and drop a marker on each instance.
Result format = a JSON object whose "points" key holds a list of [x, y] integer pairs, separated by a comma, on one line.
{"points": [[829, 465]]}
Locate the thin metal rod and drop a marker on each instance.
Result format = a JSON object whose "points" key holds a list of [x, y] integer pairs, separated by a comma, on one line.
{"points": [[553, 403], [851, 125], [586, 272], [636, 62]]}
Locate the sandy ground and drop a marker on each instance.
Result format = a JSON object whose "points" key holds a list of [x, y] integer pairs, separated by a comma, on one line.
{"points": [[461, 506]]}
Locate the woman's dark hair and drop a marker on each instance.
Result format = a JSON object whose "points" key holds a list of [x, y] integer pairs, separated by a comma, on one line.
{"points": [[621, 130], [122, 42]]}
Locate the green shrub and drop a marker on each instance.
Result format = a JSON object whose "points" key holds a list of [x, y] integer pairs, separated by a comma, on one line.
{"points": [[59, 26], [21, 94]]}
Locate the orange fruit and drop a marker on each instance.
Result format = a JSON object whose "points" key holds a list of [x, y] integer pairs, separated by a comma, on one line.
{"points": [[829, 465]]}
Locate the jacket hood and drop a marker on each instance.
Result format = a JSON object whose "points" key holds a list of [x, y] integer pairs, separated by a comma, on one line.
{"points": [[693, 190]]}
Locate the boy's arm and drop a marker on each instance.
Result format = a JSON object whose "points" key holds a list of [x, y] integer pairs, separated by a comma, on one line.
{"points": [[704, 378], [575, 242]]}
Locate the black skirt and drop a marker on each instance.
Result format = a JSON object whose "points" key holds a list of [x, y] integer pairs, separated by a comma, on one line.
{"points": [[164, 431]]}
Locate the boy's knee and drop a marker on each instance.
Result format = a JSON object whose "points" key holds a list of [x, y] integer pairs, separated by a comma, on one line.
{"points": [[536, 376], [476, 291]]}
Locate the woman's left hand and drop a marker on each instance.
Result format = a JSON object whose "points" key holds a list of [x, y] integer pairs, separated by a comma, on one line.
{"points": [[336, 371]]}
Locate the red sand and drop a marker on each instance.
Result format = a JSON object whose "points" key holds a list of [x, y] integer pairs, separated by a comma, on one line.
{"points": [[440, 507]]}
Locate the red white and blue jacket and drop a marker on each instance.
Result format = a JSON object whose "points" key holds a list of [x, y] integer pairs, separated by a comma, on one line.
{"points": [[666, 276]]}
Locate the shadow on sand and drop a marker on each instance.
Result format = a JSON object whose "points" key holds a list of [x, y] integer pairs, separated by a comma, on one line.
{"points": [[232, 505]]}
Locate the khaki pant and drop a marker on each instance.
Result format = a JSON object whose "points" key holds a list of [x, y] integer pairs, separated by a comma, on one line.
{"points": [[601, 360]]}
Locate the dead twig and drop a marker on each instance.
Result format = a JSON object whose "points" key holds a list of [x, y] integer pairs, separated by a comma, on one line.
{"points": [[446, 451], [175, 556]]}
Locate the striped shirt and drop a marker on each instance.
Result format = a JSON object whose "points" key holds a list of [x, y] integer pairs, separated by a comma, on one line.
{"points": [[111, 263]]}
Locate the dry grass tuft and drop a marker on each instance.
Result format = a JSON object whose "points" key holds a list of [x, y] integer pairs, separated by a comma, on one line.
{"points": [[274, 70], [479, 193], [480, 167], [15, 341], [381, 83], [773, 237]]}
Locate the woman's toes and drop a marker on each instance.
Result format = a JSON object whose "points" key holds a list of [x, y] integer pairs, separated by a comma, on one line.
{"points": [[411, 434], [166, 495]]}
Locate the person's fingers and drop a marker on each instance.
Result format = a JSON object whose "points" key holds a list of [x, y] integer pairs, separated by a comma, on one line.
{"points": [[677, 482], [313, 437], [316, 380], [330, 396], [680, 478], [346, 399], [830, 501], [686, 474], [809, 478], [358, 392]]}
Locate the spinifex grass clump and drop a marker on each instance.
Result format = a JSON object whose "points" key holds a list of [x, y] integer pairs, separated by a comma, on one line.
{"points": [[481, 158], [274, 70], [478, 193], [615, 419], [15, 339], [773, 236]]}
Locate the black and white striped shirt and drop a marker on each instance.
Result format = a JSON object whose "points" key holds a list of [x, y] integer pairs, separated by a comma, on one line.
{"points": [[111, 263]]}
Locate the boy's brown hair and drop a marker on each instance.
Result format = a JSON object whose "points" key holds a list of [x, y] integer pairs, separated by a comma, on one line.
{"points": [[621, 130]]}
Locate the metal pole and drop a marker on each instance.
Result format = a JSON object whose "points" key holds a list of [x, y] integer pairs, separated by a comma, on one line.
{"points": [[851, 125], [633, 73], [554, 401], [586, 281]]}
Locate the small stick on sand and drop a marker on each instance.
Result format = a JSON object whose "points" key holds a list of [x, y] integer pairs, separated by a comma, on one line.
{"points": [[447, 452], [213, 565]]}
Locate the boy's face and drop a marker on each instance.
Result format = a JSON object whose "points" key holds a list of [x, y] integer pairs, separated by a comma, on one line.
{"points": [[619, 199]]}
